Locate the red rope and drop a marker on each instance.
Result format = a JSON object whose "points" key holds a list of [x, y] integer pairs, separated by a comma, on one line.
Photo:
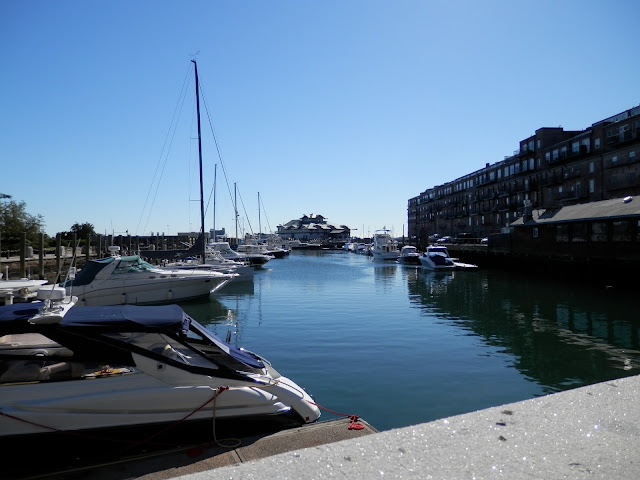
{"points": [[219, 390], [354, 418]]}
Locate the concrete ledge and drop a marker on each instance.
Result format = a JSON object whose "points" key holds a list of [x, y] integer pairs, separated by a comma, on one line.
{"points": [[591, 432]]}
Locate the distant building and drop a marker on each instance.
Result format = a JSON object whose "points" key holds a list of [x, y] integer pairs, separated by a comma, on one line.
{"points": [[551, 169], [314, 228]]}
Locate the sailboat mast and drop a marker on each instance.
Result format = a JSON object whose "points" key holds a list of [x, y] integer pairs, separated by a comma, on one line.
{"points": [[200, 158], [215, 176], [259, 224], [235, 209]]}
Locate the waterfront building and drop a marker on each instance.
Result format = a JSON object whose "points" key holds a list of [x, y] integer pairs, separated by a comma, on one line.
{"points": [[551, 169], [603, 231], [314, 228]]}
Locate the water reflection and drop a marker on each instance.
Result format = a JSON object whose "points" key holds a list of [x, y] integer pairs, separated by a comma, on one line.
{"points": [[559, 337]]}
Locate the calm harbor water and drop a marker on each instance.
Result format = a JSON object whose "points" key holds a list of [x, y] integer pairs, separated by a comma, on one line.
{"points": [[399, 345]]}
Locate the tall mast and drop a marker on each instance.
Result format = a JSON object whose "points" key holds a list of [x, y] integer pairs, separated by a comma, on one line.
{"points": [[235, 209], [215, 175], [200, 157], [259, 224]]}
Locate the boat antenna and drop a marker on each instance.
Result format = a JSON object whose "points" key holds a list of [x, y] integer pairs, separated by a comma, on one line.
{"points": [[200, 158]]}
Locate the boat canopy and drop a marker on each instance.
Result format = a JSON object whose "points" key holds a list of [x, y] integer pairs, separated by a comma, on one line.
{"points": [[86, 275], [119, 318]]}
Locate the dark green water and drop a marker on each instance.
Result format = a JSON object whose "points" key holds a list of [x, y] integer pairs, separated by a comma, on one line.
{"points": [[399, 345]]}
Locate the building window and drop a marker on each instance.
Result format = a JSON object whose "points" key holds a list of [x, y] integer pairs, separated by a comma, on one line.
{"points": [[575, 147], [596, 143], [632, 154], [579, 232], [562, 233], [547, 157], [534, 232], [621, 231], [592, 185], [599, 232], [614, 159], [592, 167]]}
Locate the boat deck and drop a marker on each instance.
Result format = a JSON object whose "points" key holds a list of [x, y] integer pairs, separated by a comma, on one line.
{"points": [[188, 460]]}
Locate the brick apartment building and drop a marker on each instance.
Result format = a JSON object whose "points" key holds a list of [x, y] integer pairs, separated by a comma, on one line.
{"points": [[551, 169]]}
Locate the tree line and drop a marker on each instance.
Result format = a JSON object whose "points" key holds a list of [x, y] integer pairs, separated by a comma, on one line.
{"points": [[15, 220]]}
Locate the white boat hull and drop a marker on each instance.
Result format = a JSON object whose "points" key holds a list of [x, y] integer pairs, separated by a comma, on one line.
{"points": [[132, 400], [173, 288]]}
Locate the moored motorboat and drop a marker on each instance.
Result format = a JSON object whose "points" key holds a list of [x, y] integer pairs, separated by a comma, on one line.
{"points": [[22, 290], [384, 247], [409, 255], [224, 248], [214, 261], [117, 280], [437, 258], [76, 373]]}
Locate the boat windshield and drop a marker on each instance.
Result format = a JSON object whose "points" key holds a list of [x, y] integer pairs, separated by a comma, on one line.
{"points": [[196, 346], [134, 264]]}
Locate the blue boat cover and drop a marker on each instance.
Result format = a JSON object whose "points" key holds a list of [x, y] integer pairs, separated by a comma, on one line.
{"points": [[133, 316]]}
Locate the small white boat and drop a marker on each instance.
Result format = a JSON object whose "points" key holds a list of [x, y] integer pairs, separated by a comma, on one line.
{"points": [[409, 255], [384, 247], [117, 374], [464, 266], [22, 290], [256, 259], [437, 258], [118, 280], [253, 251], [215, 262]]}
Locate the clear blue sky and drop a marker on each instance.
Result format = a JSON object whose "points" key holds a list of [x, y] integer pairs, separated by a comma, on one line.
{"points": [[345, 108]]}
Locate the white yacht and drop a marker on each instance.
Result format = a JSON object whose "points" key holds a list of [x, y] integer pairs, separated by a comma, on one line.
{"points": [[117, 280], [384, 247]]}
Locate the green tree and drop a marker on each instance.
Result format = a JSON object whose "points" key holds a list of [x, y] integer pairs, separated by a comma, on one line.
{"points": [[83, 229], [14, 220]]}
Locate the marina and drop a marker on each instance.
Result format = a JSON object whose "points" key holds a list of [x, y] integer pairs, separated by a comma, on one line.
{"points": [[398, 345], [374, 333]]}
